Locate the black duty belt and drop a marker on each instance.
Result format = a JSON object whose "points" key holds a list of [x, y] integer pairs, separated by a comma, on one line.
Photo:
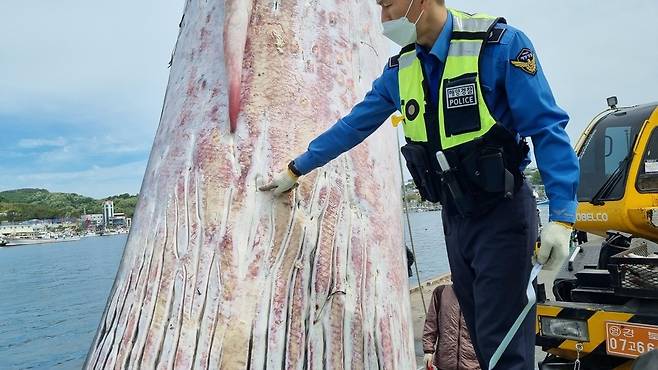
{"points": [[474, 176]]}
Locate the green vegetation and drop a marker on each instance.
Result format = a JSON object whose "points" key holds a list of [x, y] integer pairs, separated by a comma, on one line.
{"points": [[123, 203], [27, 204], [411, 194], [533, 176]]}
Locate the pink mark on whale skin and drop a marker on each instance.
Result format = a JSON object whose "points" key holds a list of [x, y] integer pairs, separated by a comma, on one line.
{"points": [[236, 26], [191, 91], [233, 103], [185, 117], [213, 115], [204, 37]]}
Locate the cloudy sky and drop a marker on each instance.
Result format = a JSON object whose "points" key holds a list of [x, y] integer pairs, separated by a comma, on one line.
{"points": [[81, 91], [82, 82]]}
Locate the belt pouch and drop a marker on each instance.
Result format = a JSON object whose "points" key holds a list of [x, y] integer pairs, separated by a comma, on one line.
{"points": [[492, 171], [423, 172]]}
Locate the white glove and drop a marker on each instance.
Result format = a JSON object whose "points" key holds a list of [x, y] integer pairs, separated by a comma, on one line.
{"points": [[283, 182], [555, 238], [428, 360]]}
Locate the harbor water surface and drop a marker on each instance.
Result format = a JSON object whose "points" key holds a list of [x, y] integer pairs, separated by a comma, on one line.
{"points": [[53, 295]]}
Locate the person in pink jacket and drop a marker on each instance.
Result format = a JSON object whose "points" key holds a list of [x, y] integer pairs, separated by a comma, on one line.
{"points": [[446, 342]]}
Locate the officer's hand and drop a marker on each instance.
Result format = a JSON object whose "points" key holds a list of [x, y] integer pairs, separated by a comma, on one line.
{"points": [[428, 360], [554, 248], [283, 182]]}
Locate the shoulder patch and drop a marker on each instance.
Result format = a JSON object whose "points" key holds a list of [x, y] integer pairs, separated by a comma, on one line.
{"points": [[496, 35], [525, 61], [394, 61]]}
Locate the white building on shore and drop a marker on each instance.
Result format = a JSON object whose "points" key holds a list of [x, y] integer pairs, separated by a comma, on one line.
{"points": [[95, 219], [108, 212], [17, 230]]}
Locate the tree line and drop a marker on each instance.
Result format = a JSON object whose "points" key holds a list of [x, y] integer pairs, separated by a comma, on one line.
{"points": [[28, 204]]}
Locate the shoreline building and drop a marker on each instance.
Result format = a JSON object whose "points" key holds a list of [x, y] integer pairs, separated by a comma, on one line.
{"points": [[92, 220], [120, 220], [18, 230], [108, 212]]}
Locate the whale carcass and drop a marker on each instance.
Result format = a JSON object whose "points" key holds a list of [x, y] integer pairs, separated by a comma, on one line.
{"points": [[217, 275]]}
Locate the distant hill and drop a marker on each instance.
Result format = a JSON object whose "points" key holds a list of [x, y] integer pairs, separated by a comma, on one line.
{"points": [[27, 204]]}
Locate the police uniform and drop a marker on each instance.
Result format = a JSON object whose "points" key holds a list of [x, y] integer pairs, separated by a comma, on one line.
{"points": [[489, 249]]}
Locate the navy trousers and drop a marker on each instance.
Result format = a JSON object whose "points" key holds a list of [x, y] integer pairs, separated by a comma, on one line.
{"points": [[490, 261]]}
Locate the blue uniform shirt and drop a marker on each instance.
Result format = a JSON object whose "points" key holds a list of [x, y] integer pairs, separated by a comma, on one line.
{"points": [[518, 99]]}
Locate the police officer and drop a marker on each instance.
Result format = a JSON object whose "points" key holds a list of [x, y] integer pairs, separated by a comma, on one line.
{"points": [[469, 88]]}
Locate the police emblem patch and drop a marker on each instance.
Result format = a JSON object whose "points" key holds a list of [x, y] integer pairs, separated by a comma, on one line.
{"points": [[525, 61], [461, 96]]}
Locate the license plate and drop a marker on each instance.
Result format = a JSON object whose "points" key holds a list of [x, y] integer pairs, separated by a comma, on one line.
{"points": [[630, 340]]}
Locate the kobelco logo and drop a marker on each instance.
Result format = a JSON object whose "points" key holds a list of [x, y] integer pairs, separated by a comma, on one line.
{"points": [[592, 217]]}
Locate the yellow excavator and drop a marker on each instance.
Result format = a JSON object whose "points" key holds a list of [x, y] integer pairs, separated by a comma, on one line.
{"points": [[604, 314]]}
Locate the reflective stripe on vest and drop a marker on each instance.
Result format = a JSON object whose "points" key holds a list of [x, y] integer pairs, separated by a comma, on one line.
{"points": [[469, 34]]}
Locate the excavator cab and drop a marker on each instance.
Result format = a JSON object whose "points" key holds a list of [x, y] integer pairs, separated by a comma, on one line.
{"points": [[604, 310], [619, 173]]}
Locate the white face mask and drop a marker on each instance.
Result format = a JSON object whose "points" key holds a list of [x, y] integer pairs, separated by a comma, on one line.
{"points": [[401, 31]]}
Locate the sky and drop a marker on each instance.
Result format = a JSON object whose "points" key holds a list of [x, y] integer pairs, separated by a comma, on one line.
{"points": [[82, 82], [81, 91]]}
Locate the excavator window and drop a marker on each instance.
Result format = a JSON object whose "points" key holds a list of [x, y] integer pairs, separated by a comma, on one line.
{"points": [[647, 179], [605, 156], [617, 145]]}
